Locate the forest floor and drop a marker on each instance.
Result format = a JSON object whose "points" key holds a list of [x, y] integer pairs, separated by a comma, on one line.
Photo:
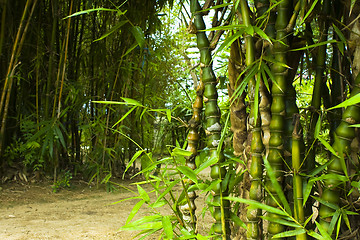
{"points": [[33, 211]]}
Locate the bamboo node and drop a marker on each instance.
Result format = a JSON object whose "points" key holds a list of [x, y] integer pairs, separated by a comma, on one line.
{"points": [[215, 143], [214, 128]]}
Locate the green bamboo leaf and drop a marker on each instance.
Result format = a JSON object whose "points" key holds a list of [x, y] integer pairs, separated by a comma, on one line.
{"points": [[125, 115], [158, 204], [317, 128], [313, 234], [60, 136], [188, 172], [135, 210], [93, 10], [338, 227], [308, 219], [210, 161], [167, 190], [112, 30], [223, 134], [352, 6], [211, 186], [143, 194], [341, 44], [307, 190], [349, 102], [338, 177], [132, 47], [272, 60], [180, 152], [355, 125], [229, 40], [326, 203], [249, 30], [290, 233], [110, 102], [277, 186], [139, 35], [314, 45], [167, 227], [200, 237], [346, 219], [323, 232], [258, 205], [262, 34], [309, 11], [327, 146], [134, 226], [136, 155], [237, 220], [281, 221], [334, 220], [355, 184], [131, 101], [168, 114]]}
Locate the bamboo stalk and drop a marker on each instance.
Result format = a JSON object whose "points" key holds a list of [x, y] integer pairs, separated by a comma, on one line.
{"points": [[5, 96], [193, 138], [318, 84], [297, 157], [344, 134], [278, 109], [254, 224], [221, 212]]}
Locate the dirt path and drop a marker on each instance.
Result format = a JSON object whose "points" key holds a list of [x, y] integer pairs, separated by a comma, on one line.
{"points": [[33, 211]]}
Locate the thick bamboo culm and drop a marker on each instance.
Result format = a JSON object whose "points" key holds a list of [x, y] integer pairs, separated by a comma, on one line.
{"points": [[344, 134], [278, 110], [221, 212], [193, 137], [254, 223]]}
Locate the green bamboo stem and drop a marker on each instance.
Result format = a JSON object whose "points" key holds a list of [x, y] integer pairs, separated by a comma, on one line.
{"points": [[297, 157], [221, 212], [318, 84], [336, 90], [193, 137], [278, 110], [344, 134], [254, 224]]}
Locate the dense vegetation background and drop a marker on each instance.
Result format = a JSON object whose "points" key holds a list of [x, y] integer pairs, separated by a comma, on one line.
{"points": [[249, 88]]}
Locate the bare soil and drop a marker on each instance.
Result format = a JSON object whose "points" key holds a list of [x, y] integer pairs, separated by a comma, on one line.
{"points": [[33, 211]]}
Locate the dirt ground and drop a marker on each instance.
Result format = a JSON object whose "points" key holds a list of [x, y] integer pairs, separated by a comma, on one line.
{"points": [[33, 211]]}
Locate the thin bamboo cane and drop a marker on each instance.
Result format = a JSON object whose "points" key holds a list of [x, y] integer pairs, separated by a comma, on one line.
{"points": [[221, 211], [11, 69], [297, 157], [319, 81]]}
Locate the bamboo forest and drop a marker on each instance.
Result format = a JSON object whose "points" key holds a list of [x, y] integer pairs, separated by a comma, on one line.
{"points": [[181, 119]]}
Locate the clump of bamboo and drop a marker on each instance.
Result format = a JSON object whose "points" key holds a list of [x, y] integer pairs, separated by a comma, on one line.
{"points": [[344, 135], [221, 212]]}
